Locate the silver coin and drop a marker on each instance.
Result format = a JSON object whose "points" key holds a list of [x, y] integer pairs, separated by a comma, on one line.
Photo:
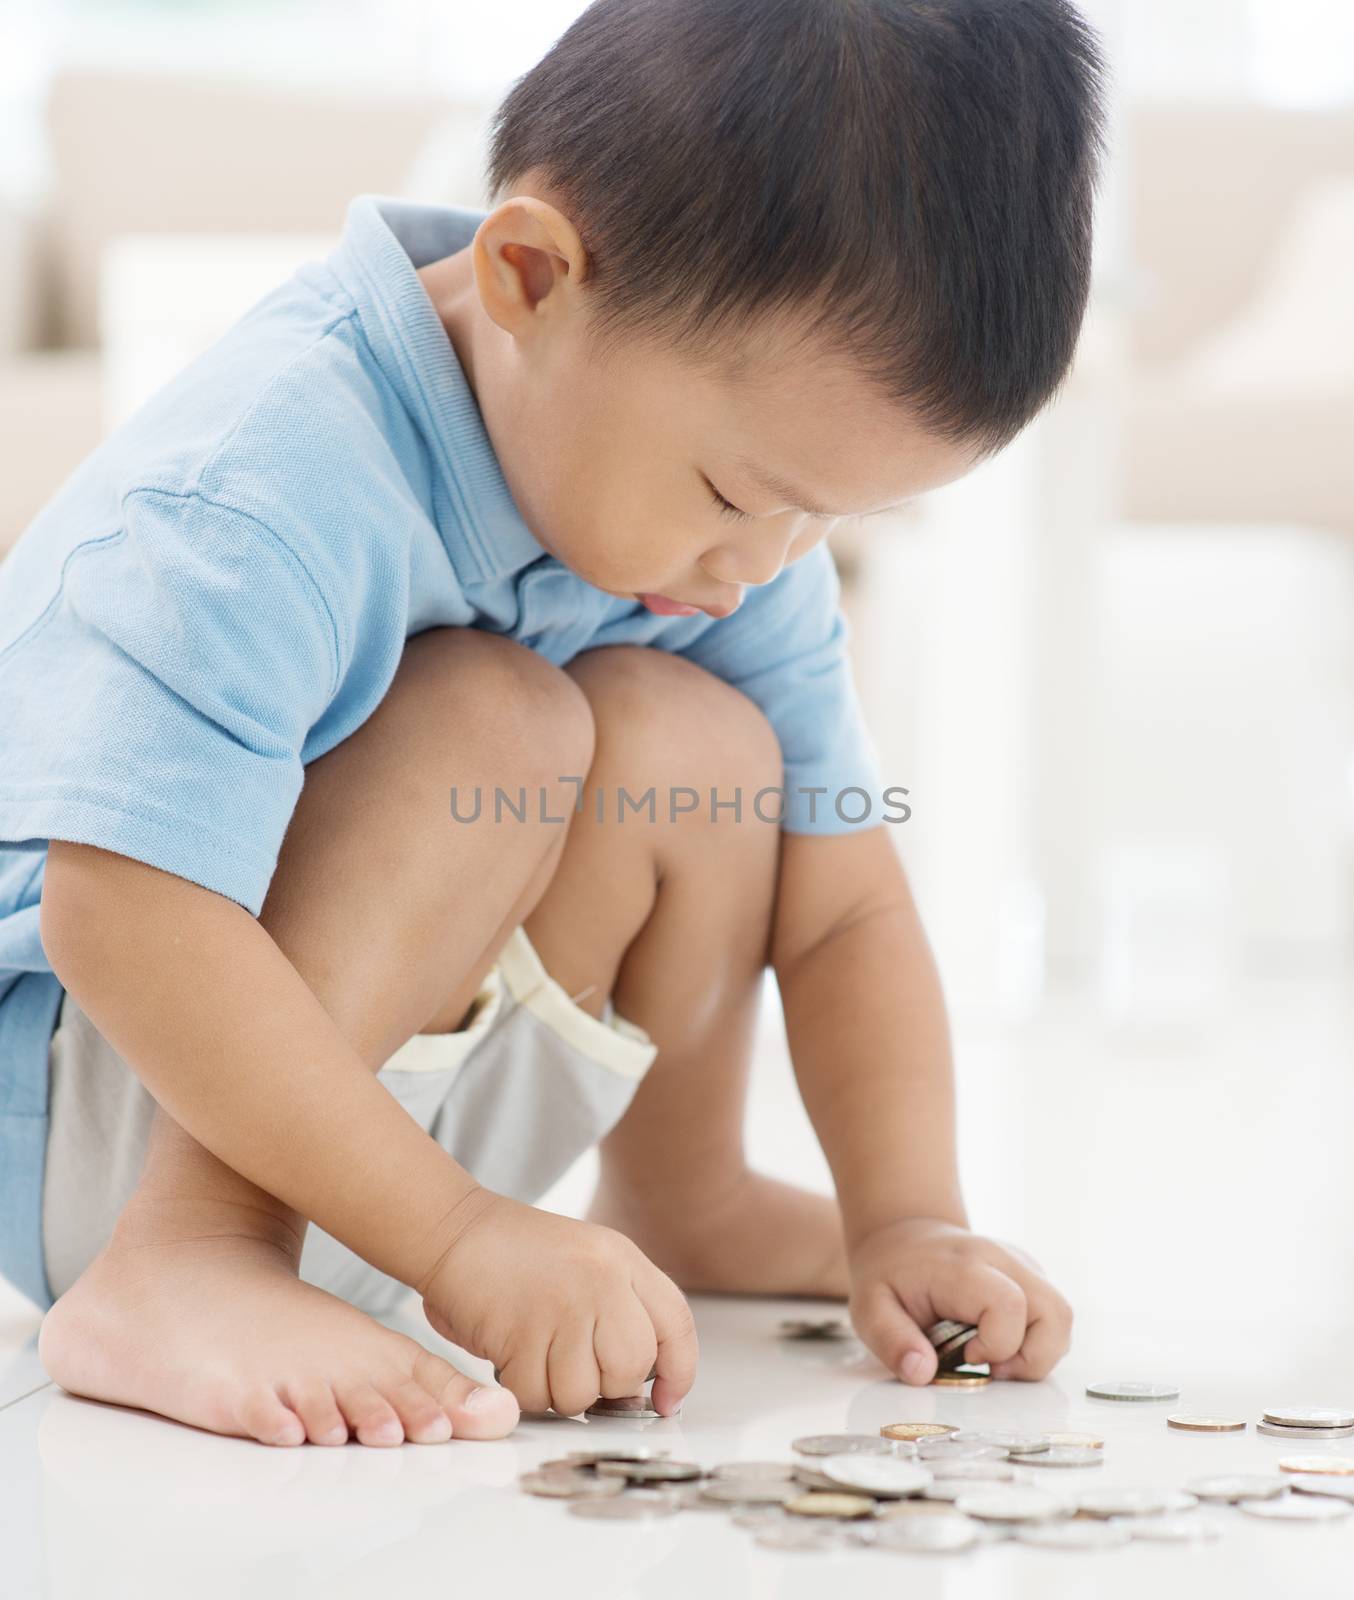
{"points": [[840, 1444], [557, 1484], [620, 1452], [945, 1329], [1064, 1455], [984, 1471], [810, 1478], [651, 1471], [1117, 1502], [1009, 1503], [950, 1489], [688, 1497], [1341, 1485], [952, 1449], [761, 1471], [1237, 1486], [1298, 1508], [1182, 1527], [797, 1536], [1132, 1391], [1279, 1430], [1072, 1535], [1310, 1417], [638, 1406], [1011, 1444], [748, 1491], [760, 1517], [934, 1535], [883, 1476], [632, 1507]]}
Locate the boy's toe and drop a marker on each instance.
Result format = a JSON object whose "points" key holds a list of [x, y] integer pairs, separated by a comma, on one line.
{"points": [[313, 1401], [370, 1415], [477, 1411], [424, 1420], [261, 1414]]}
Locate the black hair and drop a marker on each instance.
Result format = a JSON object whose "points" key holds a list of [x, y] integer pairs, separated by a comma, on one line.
{"points": [[918, 176]]}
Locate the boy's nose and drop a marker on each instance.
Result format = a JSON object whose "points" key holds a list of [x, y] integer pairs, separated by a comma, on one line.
{"points": [[752, 560]]}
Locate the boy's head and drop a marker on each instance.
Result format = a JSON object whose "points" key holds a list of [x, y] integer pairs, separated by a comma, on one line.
{"points": [[842, 244]]}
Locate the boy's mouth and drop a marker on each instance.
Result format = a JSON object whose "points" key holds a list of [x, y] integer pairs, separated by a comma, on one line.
{"points": [[661, 605]]}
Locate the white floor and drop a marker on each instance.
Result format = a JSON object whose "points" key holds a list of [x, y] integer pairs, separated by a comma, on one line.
{"points": [[1191, 1194]]}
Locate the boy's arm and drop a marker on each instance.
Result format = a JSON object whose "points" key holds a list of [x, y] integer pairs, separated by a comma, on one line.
{"points": [[231, 1041], [868, 1035]]}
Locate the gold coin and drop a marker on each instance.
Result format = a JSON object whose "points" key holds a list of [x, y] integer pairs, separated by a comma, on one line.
{"points": [[915, 1508], [830, 1505], [1076, 1441], [917, 1430], [1193, 1424], [1343, 1465], [961, 1380]]}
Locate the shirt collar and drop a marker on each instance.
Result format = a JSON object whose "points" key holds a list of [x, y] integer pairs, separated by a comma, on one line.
{"points": [[384, 242]]}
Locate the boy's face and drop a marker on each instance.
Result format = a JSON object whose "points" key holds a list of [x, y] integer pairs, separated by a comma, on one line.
{"points": [[616, 464]]}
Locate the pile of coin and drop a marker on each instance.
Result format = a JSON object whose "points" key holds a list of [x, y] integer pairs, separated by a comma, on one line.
{"points": [[1306, 1422]]}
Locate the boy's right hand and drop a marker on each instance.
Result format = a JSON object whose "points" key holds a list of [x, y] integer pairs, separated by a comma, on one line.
{"points": [[567, 1311]]}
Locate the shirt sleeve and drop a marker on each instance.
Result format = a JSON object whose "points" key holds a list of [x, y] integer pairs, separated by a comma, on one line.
{"points": [[159, 706], [787, 649]]}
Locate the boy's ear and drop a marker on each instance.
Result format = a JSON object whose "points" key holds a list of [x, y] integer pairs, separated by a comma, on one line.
{"points": [[528, 260]]}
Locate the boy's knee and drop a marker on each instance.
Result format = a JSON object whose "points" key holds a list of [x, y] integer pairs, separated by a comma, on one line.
{"points": [[670, 713], [537, 717]]}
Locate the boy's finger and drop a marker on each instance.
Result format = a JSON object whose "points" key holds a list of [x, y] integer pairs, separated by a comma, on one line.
{"points": [[1002, 1317], [571, 1371], [895, 1338], [1048, 1334], [675, 1332], [625, 1346]]}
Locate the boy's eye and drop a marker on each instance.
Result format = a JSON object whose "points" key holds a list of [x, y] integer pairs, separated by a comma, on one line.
{"points": [[727, 508]]}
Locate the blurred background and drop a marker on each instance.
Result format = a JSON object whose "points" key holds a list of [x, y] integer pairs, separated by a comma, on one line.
{"points": [[1115, 668]]}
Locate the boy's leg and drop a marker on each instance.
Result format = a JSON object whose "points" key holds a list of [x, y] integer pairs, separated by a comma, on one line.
{"points": [[673, 920], [194, 1309]]}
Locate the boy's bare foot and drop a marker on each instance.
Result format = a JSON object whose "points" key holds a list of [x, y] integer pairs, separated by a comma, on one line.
{"points": [[753, 1236], [218, 1331]]}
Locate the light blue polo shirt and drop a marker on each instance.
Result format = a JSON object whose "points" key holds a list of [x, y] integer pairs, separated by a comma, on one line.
{"points": [[222, 592]]}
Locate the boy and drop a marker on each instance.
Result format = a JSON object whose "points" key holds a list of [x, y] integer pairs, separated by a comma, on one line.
{"points": [[533, 501]]}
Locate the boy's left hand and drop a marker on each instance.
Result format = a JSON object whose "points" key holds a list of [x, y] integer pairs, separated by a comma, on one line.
{"points": [[908, 1275]]}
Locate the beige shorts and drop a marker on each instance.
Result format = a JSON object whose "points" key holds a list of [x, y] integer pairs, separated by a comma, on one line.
{"points": [[527, 1084]]}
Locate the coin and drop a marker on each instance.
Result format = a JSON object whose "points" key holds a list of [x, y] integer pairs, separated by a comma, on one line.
{"points": [[831, 1328], [1310, 1417], [1132, 1391], [747, 1491], [949, 1339], [914, 1508], [638, 1406], [761, 1471], [650, 1471], [823, 1503], [917, 1430], [950, 1489], [632, 1507], [1072, 1535], [1117, 1502], [982, 1469], [1171, 1528], [936, 1534], [1321, 1483], [811, 1479], [1236, 1486], [1298, 1508], [561, 1485], [1330, 1464], [688, 1497], [1190, 1423], [1011, 1444], [1064, 1456], [620, 1452], [840, 1444], [961, 1378], [884, 1476], [1077, 1441], [1007, 1503], [1278, 1430], [953, 1449]]}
